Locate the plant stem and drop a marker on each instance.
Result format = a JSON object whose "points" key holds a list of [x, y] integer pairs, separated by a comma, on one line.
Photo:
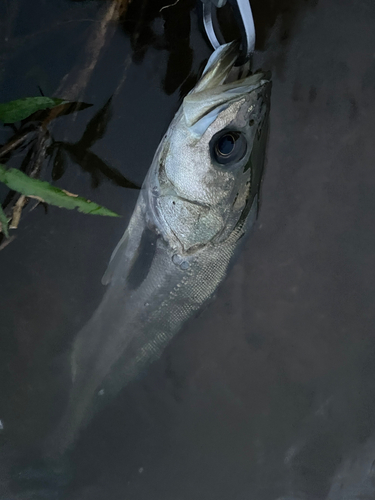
{"points": [[14, 143], [17, 210]]}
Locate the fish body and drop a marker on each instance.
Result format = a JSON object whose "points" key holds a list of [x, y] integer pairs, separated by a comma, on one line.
{"points": [[199, 199]]}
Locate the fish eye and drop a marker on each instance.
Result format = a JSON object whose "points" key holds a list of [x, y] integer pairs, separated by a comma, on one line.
{"points": [[228, 147]]}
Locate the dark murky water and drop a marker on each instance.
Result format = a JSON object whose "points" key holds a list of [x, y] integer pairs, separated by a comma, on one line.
{"points": [[269, 394]]}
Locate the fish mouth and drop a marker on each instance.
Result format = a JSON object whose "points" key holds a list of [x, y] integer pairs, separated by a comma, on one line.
{"points": [[218, 67], [218, 87]]}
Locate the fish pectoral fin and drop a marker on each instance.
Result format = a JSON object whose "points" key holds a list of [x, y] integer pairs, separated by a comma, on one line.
{"points": [[126, 250], [115, 258]]}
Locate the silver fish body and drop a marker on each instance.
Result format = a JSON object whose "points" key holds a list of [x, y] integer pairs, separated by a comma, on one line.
{"points": [[192, 212]]}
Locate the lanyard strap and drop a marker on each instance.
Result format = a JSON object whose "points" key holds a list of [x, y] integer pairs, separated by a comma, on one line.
{"points": [[244, 17]]}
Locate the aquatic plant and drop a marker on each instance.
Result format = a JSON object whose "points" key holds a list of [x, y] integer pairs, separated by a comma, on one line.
{"points": [[34, 140]]}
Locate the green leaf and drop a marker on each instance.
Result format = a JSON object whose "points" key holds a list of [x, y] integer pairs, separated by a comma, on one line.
{"points": [[14, 111], [20, 182], [4, 222]]}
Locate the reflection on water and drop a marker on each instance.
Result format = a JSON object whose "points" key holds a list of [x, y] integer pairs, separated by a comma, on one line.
{"points": [[80, 153], [148, 25], [269, 394]]}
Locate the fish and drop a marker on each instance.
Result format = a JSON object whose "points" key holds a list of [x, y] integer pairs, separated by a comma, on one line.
{"points": [[199, 199]]}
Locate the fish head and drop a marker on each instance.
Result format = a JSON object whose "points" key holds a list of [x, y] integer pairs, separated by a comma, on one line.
{"points": [[208, 167]]}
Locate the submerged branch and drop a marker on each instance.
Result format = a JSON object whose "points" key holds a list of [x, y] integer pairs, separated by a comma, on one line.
{"points": [[14, 143]]}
